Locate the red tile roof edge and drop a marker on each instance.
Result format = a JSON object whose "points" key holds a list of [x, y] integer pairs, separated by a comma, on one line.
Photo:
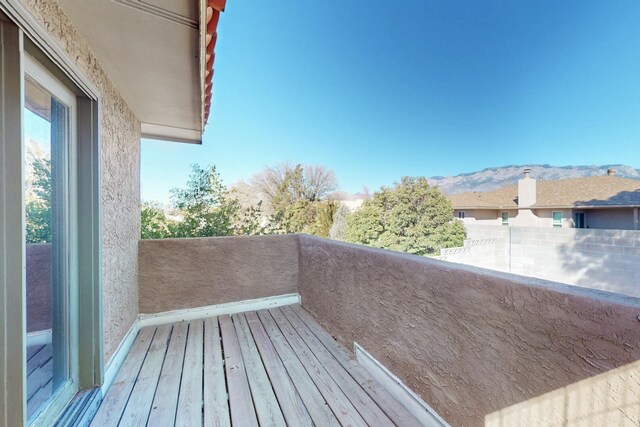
{"points": [[214, 7]]}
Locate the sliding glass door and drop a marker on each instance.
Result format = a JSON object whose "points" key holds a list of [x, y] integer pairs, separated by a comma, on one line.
{"points": [[49, 183]]}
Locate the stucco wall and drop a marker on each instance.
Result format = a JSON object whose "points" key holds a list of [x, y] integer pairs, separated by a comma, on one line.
{"points": [[621, 219], [546, 217], [187, 273], [120, 139], [479, 216], [476, 344]]}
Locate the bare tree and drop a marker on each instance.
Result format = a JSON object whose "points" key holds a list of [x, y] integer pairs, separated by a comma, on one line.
{"points": [[319, 182], [310, 182], [269, 180]]}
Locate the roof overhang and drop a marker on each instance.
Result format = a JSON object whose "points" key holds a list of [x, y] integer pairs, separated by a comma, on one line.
{"points": [[159, 56]]}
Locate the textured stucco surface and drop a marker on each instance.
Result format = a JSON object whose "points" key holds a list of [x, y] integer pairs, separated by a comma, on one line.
{"points": [[120, 145], [472, 342], [187, 273]]}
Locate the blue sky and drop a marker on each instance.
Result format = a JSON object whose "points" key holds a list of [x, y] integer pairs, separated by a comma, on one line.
{"points": [[377, 90]]}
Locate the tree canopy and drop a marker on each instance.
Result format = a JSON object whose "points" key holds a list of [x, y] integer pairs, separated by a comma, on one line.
{"points": [[204, 208], [409, 217], [38, 201]]}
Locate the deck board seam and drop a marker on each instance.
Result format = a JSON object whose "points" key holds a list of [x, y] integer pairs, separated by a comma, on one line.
{"points": [[224, 368], [251, 391], [274, 371], [375, 395], [366, 400], [265, 367], [184, 351], [164, 358], [322, 371], [306, 369], [133, 386]]}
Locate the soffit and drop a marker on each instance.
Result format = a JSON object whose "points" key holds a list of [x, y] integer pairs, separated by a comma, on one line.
{"points": [[150, 50]]}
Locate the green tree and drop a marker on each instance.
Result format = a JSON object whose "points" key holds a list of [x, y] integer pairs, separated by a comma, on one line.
{"points": [[205, 205], [296, 204], [409, 217], [250, 221], [38, 203], [339, 226], [154, 222]]}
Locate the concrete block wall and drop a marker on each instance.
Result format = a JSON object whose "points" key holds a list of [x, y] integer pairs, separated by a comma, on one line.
{"points": [[601, 259], [481, 253]]}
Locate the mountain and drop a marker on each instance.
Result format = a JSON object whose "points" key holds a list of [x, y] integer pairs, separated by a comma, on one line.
{"points": [[494, 178]]}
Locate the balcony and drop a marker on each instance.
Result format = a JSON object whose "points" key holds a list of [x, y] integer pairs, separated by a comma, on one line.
{"points": [[476, 347], [277, 367]]}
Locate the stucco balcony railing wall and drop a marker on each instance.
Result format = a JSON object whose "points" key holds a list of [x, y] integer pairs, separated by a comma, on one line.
{"points": [[480, 347]]}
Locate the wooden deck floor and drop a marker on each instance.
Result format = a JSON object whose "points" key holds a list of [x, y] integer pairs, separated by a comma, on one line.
{"points": [[275, 367], [39, 375]]}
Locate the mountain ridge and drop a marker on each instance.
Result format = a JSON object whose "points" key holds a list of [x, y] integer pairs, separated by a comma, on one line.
{"points": [[492, 178]]}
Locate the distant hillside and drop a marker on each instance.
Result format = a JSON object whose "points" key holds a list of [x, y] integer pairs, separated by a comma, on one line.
{"points": [[493, 178]]}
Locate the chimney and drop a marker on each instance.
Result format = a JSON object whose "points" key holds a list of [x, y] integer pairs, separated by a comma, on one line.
{"points": [[526, 190], [611, 172]]}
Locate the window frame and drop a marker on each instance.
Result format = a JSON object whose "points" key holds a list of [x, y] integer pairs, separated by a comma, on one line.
{"points": [[461, 214], [502, 218], [37, 72], [553, 219], [22, 34]]}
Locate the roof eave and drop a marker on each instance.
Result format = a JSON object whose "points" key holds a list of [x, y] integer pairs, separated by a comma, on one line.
{"points": [[209, 15]]}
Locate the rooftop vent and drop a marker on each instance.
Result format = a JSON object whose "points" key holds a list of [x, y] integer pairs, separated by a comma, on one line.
{"points": [[527, 172], [611, 172]]}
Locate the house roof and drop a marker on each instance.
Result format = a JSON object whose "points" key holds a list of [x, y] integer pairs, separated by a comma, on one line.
{"points": [[595, 191]]}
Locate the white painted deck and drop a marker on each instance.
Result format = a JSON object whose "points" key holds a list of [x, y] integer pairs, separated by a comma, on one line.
{"points": [[273, 367]]}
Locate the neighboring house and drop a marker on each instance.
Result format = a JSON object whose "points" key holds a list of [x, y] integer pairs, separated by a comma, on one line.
{"points": [[603, 202], [194, 332]]}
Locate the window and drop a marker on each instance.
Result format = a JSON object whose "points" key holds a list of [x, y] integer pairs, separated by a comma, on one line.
{"points": [[461, 214], [49, 230], [505, 218], [49, 144], [557, 219]]}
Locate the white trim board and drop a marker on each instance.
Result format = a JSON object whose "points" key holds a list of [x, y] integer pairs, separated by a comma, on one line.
{"points": [[117, 359], [42, 337], [403, 394], [217, 310]]}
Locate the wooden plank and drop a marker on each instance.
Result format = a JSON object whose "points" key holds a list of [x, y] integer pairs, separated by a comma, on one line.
{"points": [[394, 410], [189, 411], [216, 404], [264, 399], [318, 408], [31, 351], [367, 407], [334, 396], [40, 359], [290, 401], [116, 399], [137, 411], [163, 409], [39, 398], [39, 378], [240, 401]]}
